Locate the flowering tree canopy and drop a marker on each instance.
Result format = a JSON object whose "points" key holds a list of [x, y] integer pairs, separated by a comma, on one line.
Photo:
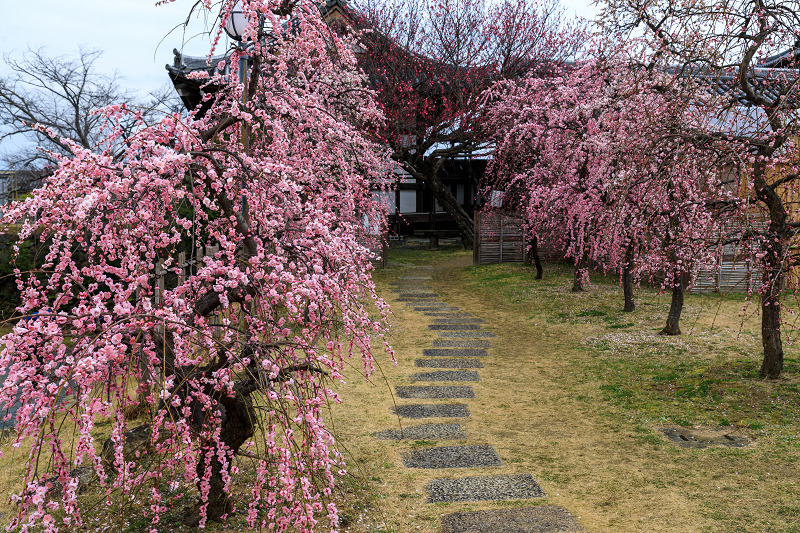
{"points": [[727, 53], [429, 63], [232, 355], [596, 159]]}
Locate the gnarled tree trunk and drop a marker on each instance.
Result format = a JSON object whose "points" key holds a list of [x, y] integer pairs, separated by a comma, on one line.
{"points": [[627, 280], [675, 309], [464, 223]]}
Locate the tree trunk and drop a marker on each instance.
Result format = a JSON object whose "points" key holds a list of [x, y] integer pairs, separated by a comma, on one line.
{"points": [[627, 281], [772, 365], [237, 418], [581, 281], [535, 254], [675, 309], [466, 228]]}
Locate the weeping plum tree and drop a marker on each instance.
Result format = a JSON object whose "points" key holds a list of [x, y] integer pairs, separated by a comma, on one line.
{"points": [[234, 354], [429, 62], [725, 51], [599, 161]]}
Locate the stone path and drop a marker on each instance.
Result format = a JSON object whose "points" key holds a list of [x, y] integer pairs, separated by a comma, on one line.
{"points": [[463, 345]]}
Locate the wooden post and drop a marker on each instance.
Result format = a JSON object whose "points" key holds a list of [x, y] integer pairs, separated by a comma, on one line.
{"points": [[476, 240]]}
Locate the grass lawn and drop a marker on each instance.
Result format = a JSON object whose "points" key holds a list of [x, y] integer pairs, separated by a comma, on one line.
{"points": [[576, 392]]}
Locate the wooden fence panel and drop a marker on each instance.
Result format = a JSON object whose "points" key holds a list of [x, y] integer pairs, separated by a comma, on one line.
{"points": [[499, 238]]}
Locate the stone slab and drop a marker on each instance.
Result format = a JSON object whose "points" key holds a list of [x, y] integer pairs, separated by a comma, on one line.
{"points": [[455, 352], [403, 289], [462, 344], [435, 391], [422, 299], [539, 519], [408, 278], [446, 375], [428, 308], [432, 305], [418, 294], [417, 410], [458, 362], [700, 439], [424, 432], [468, 456], [464, 334], [454, 327], [482, 488], [458, 320], [447, 314]]}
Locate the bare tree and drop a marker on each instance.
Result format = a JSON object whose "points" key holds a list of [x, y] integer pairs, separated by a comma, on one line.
{"points": [[60, 93]]}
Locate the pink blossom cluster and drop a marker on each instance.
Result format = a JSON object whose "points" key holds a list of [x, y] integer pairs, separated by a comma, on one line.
{"points": [[235, 353]]}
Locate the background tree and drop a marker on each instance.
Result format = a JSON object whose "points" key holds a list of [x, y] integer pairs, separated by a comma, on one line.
{"points": [[234, 354], [743, 110], [61, 93], [429, 62]]}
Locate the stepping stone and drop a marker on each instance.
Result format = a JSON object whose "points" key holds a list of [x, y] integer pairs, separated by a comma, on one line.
{"points": [[406, 278], [539, 519], [428, 307], [455, 327], [420, 298], [464, 334], [417, 410], [435, 391], [701, 439], [482, 488], [410, 290], [446, 375], [433, 305], [415, 294], [462, 344], [446, 314], [448, 363], [423, 432], [452, 457], [470, 320], [464, 352]]}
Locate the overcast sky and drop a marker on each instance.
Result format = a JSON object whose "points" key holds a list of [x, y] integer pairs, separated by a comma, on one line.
{"points": [[134, 34]]}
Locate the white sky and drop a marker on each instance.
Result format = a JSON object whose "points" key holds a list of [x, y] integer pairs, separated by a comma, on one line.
{"points": [[134, 34]]}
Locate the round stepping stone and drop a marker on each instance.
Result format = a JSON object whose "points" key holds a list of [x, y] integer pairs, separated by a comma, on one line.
{"points": [[446, 375], [454, 327], [448, 363], [435, 391], [451, 410], [464, 334], [424, 432], [452, 457], [538, 519], [470, 320], [463, 352], [481, 488], [461, 344]]}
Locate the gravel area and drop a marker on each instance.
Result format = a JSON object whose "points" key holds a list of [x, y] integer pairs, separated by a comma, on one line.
{"points": [[454, 327], [451, 410], [463, 352], [539, 519], [464, 334], [479, 488], [459, 362], [435, 391], [452, 457], [462, 344], [424, 431], [458, 320], [446, 375]]}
